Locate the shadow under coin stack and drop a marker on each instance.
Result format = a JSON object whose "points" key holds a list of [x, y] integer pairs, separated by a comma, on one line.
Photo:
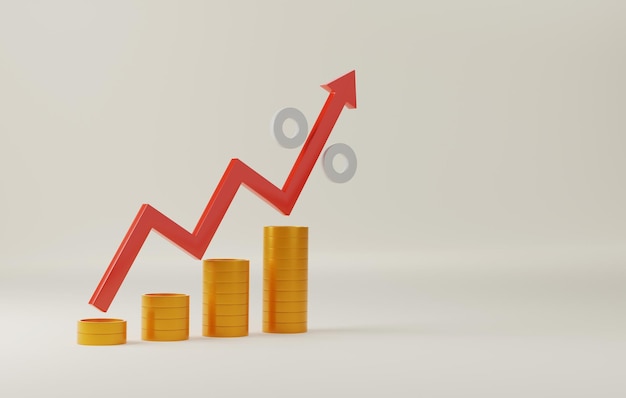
{"points": [[101, 331], [285, 279], [164, 317], [225, 297]]}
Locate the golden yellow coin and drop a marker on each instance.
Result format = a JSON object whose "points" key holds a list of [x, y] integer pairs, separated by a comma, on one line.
{"points": [[224, 331], [284, 286], [285, 306], [228, 277], [286, 253], [284, 317], [273, 295], [102, 326], [286, 231], [285, 264], [226, 309], [165, 335], [226, 288], [165, 324], [226, 320], [165, 312], [286, 274], [225, 264], [165, 300], [101, 339], [284, 327], [295, 242], [218, 299]]}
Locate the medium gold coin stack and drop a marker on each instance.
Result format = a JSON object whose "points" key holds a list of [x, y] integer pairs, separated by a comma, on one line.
{"points": [[164, 317], [101, 331], [225, 297], [285, 279]]}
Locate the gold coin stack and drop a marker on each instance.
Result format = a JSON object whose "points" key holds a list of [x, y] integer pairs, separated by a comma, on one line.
{"points": [[164, 317], [225, 297], [285, 276], [101, 331]]}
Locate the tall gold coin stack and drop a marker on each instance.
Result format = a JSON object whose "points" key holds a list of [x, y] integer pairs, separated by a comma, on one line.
{"points": [[101, 331], [285, 279], [225, 297], [164, 317]]}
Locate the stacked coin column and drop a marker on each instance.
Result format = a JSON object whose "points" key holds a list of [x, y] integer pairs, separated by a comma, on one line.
{"points": [[225, 297], [101, 331], [285, 276], [164, 317]]}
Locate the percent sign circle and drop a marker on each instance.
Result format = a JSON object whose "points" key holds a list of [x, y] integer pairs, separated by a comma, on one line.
{"points": [[299, 137]]}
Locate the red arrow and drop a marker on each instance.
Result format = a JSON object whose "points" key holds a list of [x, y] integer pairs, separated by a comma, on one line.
{"points": [[342, 92]]}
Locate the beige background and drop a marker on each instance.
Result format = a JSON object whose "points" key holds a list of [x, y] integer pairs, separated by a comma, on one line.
{"points": [[480, 243], [479, 123]]}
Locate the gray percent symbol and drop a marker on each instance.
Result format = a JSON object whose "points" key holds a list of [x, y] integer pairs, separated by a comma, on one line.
{"points": [[299, 137]]}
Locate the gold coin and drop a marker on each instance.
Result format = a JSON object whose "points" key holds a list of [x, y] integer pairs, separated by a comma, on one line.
{"points": [[226, 264], [286, 253], [285, 306], [226, 309], [286, 274], [218, 299], [284, 317], [287, 265], [165, 300], [165, 313], [229, 277], [273, 295], [284, 327], [165, 324], [224, 331], [295, 242], [101, 339], [280, 264], [225, 320], [102, 326], [284, 286], [165, 335], [226, 288], [286, 231]]}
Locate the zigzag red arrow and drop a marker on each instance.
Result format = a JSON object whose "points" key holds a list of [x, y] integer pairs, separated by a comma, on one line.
{"points": [[342, 92]]}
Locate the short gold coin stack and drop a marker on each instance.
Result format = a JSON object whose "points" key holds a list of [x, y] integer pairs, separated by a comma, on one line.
{"points": [[164, 317], [101, 331], [285, 279], [225, 297]]}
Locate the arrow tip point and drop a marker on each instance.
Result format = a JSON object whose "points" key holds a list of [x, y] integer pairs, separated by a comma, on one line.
{"points": [[345, 86]]}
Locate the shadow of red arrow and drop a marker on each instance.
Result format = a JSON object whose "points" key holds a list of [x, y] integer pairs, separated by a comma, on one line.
{"points": [[342, 93]]}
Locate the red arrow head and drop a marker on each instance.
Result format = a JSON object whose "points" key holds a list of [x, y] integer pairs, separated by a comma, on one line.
{"points": [[344, 87]]}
